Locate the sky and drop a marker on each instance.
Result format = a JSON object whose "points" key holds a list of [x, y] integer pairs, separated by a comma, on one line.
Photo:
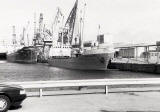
{"points": [[129, 21]]}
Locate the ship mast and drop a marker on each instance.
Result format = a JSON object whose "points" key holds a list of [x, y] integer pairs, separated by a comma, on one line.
{"points": [[22, 37]]}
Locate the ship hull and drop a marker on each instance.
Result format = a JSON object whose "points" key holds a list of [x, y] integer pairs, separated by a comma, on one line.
{"points": [[24, 55], [83, 62]]}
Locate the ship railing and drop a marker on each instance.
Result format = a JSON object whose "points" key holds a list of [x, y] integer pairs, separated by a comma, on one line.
{"points": [[42, 85]]}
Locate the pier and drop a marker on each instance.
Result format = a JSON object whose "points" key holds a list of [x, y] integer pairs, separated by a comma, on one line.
{"points": [[119, 99], [138, 58]]}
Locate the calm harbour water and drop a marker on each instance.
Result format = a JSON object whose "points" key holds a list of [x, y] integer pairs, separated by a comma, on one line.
{"points": [[38, 72]]}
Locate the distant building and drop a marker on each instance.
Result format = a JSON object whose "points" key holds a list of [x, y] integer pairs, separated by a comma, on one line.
{"points": [[129, 51]]}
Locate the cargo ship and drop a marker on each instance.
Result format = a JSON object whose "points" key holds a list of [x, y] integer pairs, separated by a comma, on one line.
{"points": [[95, 59], [23, 55], [66, 53]]}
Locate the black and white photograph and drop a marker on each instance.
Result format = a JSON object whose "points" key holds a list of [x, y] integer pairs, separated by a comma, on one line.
{"points": [[79, 55]]}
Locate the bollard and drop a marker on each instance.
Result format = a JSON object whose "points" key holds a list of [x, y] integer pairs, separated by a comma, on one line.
{"points": [[106, 90], [40, 92]]}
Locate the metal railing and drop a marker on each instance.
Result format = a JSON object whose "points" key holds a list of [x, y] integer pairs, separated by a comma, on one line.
{"points": [[78, 83]]}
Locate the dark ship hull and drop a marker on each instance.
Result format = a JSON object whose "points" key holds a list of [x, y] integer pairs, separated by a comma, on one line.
{"points": [[24, 55], [82, 62]]}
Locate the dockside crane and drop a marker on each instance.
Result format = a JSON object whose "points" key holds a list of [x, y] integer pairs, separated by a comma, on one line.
{"points": [[38, 33], [35, 30], [57, 24], [57, 18], [14, 41], [23, 36]]}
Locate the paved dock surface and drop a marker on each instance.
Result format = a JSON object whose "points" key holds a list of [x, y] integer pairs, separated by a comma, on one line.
{"points": [[129, 101]]}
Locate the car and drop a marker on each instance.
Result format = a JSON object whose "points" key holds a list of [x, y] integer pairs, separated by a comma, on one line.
{"points": [[11, 95]]}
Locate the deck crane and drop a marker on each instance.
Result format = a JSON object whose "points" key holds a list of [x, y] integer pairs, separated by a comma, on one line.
{"points": [[70, 23]]}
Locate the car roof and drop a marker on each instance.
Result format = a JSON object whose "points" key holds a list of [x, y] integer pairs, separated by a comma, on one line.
{"points": [[9, 85]]}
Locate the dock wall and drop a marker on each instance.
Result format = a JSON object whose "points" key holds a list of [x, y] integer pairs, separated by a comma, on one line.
{"points": [[148, 68]]}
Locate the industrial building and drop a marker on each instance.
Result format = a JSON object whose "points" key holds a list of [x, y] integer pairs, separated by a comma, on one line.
{"points": [[145, 52]]}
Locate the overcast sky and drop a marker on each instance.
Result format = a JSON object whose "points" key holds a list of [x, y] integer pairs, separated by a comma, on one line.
{"points": [[134, 21]]}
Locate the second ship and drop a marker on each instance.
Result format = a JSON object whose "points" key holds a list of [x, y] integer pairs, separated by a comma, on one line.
{"points": [[21, 53], [24, 52]]}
